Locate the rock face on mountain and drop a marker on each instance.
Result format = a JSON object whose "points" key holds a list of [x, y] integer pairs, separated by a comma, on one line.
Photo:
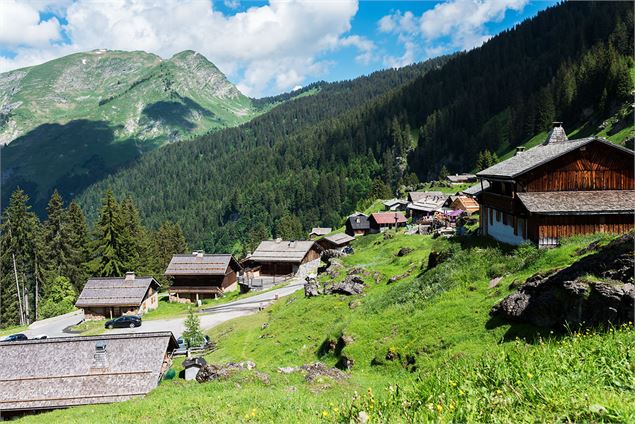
{"points": [[93, 112], [595, 290]]}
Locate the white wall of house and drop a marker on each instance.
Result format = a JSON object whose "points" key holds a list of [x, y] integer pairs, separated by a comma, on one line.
{"points": [[505, 233]]}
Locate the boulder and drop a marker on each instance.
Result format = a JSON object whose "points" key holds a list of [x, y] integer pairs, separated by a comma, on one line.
{"points": [[436, 258], [351, 285], [568, 297], [214, 372], [312, 287], [404, 251], [396, 278]]}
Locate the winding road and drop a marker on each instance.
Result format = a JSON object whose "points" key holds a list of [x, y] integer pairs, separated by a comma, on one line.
{"points": [[210, 317]]}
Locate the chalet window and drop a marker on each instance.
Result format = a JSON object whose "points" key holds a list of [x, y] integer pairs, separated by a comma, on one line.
{"points": [[498, 216]]}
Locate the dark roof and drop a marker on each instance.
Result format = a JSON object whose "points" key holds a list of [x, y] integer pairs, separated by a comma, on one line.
{"points": [[339, 239], [281, 251], [198, 362], [358, 221], [201, 264], [383, 218], [115, 291], [539, 155], [579, 202], [66, 371], [475, 190]]}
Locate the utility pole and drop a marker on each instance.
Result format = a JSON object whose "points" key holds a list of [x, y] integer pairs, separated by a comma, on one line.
{"points": [[17, 286]]}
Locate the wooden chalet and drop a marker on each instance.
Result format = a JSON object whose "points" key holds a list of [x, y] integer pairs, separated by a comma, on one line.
{"points": [[395, 205], [40, 375], [558, 189], [382, 221], [466, 204], [109, 297], [461, 178], [319, 232], [357, 224], [424, 204], [199, 276], [282, 257], [335, 241]]}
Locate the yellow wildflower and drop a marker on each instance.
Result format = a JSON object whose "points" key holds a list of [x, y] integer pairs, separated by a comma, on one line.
{"points": [[439, 408], [325, 413], [530, 375]]}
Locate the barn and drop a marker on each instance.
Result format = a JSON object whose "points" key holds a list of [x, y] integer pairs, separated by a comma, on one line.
{"points": [[201, 276], [559, 189], [108, 297], [357, 224], [282, 257], [335, 241]]}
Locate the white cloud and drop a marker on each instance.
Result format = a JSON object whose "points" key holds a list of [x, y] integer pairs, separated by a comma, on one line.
{"points": [[454, 24], [20, 25], [365, 46], [232, 4], [275, 45]]}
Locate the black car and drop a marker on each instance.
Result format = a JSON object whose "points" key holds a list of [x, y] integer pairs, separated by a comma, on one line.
{"points": [[126, 321], [15, 338]]}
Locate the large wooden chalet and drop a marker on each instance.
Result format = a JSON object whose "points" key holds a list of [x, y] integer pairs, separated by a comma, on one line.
{"points": [[559, 189], [199, 275]]}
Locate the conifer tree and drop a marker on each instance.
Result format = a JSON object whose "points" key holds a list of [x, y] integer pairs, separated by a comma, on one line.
{"points": [[56, 243], [79, 242], [19, 231], [193, 335], [168, 241], [110, 257]]}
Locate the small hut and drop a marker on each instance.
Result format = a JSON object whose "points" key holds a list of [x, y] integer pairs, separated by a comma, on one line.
{"points": [[336, 241]]}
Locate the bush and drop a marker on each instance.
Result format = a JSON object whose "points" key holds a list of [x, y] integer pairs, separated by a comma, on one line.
{"points": [[59, 299]]}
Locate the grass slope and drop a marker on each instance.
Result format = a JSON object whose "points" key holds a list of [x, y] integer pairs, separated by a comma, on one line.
{"points": [[424, 349]]}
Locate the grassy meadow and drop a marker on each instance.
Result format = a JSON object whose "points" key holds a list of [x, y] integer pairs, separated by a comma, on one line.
{"points": [[423, 348]]}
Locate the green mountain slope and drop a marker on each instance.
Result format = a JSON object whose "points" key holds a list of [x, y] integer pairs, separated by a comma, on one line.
{"points": [[423, 349], [313, 160], [68, 122]]}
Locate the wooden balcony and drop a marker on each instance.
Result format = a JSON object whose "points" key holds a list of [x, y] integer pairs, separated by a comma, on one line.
{"points": [[499, 202]]}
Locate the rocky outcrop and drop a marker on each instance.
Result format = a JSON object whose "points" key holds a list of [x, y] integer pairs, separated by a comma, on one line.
{"points": [[404, 251], [351, 285], [215, 372], [314, 371], [312, 287], [435, 258], [573, 296]]}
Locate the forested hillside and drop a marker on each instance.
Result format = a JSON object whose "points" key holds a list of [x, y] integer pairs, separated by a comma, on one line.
{"points": [[314, 159]]}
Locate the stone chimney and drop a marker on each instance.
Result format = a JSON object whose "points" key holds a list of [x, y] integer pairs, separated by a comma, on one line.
{"points": [[557, 134], [130, 276]]}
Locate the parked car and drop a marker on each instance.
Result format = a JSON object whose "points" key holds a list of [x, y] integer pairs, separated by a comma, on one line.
{"points": [[40, 337], [182, 349], [126, 321], [15, 338]]}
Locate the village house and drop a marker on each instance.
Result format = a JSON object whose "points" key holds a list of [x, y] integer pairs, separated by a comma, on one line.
{"points": [[382, 221], [319, 232], [464, 203], [395, 205], [282, 257], [109, 297], [357, 224], [201, 276], [40, 375], [558, 189], [423, 204], [336, 241], [461, 178]]}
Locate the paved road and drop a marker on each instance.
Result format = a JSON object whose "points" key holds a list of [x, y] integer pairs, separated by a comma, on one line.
{"points": [[210, 317]]}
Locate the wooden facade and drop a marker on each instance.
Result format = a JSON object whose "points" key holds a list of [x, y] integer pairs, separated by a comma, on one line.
{"points": [[594, 166]]}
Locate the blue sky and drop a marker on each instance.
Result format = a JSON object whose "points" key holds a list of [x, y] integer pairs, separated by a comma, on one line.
{"points": [[265, 47]]}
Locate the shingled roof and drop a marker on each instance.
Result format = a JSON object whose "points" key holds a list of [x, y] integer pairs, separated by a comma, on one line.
{"points": [[115, 291], [475, 190], [69, 371], [579, 202], [339, 239], [422, 196], [199, 263], [539, 155], [281, 251], [320, 231]]}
